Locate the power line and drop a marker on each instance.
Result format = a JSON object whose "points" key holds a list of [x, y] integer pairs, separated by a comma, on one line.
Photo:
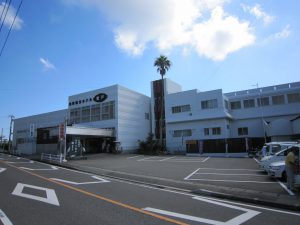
{"points": [[11, 27], [7, 8], [3, 10]]}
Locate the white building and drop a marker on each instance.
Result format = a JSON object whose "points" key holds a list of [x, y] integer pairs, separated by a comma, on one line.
{"points": [[193, 121]]}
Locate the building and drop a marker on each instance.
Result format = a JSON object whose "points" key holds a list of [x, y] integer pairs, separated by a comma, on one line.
{"points": [[192, 121]]}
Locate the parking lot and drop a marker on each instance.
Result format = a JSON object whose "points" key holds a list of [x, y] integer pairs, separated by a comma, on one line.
{"points": [[226, 172]]}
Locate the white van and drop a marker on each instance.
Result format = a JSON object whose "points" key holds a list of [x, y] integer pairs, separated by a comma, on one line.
{"points": [[273, 147], [279, 156]]}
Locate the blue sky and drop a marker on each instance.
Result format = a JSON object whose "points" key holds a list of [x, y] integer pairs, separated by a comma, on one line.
{"points": [[59, 48]]}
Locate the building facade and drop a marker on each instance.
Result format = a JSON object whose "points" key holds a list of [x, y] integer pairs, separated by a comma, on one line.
{"points": [[192, 121]]}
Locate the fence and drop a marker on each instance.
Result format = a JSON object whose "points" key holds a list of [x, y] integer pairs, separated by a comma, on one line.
{"points": [[52, 158]]}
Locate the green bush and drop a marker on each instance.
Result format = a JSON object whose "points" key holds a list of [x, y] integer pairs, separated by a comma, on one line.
{"points": [[150, 146]]}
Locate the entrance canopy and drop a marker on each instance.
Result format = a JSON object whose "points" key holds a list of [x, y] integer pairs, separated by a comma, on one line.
{"points": [[87, 131]]}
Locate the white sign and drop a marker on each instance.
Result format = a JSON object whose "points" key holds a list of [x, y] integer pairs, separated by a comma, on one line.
{"points": [[31, 130]]}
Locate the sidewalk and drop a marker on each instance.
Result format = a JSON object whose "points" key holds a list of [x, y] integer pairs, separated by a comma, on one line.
{"points": [[238, 194]]}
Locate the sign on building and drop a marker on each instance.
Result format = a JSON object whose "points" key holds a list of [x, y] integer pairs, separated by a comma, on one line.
{"points": [[61, 131], [31, 130]]}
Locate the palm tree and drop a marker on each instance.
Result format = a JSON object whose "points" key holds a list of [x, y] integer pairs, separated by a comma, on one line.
{"points": [[163, 64]]}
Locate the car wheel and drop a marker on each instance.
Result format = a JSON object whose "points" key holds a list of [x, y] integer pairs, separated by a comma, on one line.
{"points": [[284, 177]]}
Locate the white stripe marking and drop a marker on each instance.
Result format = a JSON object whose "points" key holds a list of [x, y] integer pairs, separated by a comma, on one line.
{"points": [[191, 174], [147, 158], [165, 159], [4, 219], [206, 159], [233, 174], [256, 160], [26, 168], [132, 157], [19, 162], [50, 193], [237, 181], [2, 169], [227, 169], [100, 180], [285, 188]]}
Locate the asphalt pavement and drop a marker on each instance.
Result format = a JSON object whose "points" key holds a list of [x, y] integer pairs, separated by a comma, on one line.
{"points": [[37, 193]]}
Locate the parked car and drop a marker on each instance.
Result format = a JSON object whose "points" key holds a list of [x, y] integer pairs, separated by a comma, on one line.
{"points": [[277, 170], [267, 160], [273, 147]]}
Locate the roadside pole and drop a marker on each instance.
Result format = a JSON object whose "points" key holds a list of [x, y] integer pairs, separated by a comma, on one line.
{"points": [[65, 140], [10, 132]]}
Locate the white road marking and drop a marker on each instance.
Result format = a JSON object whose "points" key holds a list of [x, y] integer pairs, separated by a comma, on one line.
{"points": [[249, 214], [132, 157], [1, 158], [203, 168], [4, 219], [232, 174], [50, 193], [2, 169], [236, 181], [148, 158], [191, 174], [206, 159], [100, 180], [19, 162], [256, 160], [285, 188], [52, 168], [165, 159]]}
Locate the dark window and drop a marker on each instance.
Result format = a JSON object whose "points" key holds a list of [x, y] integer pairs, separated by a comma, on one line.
{"points": [[249, 103], [293, 98], [181, 108], [278, 100], [216, 130], [76, 102], [242, 131], [209, 104], [70, 103], [147, 116], [206, 131], [264, 101], [235, 105]]}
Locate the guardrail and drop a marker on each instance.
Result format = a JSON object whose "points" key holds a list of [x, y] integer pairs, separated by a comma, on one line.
{"points": [[52, 158]]}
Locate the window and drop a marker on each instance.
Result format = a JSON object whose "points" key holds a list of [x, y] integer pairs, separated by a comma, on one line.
{"points": [[293, 98], [243, 131], [181, 108], [249, 103], [95, 112], [216, 130], [85, 114], [108, 110], [235, 105], [147, 117], [263, 101], [182, 133], [278, 100], [209, 104], [206, 131], [75, 115], [226, 104]]}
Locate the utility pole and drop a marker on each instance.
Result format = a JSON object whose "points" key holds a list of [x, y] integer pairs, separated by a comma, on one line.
{"points": [[10, 132], [1, 138]]}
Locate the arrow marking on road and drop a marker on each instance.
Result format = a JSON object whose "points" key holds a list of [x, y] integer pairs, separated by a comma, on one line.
{"points": [[100, 180], [50, 193], [4, 219], [2, 169]]}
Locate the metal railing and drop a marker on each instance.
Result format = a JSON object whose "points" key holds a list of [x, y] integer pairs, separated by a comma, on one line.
{"points": [[52, 158]]}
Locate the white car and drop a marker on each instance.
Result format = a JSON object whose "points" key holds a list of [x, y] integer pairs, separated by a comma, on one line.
{"points": [[267, 160], [277, 170]]}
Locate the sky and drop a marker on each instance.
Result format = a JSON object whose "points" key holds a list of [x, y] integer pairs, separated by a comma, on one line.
{"points": [[58, 48]]}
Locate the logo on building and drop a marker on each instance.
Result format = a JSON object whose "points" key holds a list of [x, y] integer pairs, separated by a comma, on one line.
{"points": [[100, 97]]}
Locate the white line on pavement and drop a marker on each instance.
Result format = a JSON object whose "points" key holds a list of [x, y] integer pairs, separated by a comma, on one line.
{"points": [[232, 174], [52, 168], [165, 159], [236, 181], [100, 180], [191, 174], [203, 168], [148, 158], [206, 159], [19, 162], [4, 219], [132, 157], [2, 169], [285, 188], [256, 160]]}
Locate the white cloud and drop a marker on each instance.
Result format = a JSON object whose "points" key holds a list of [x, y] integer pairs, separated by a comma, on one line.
{"points": [[171, 23], [47, 64], [258, 13], [10, 17], [285, 33]]}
